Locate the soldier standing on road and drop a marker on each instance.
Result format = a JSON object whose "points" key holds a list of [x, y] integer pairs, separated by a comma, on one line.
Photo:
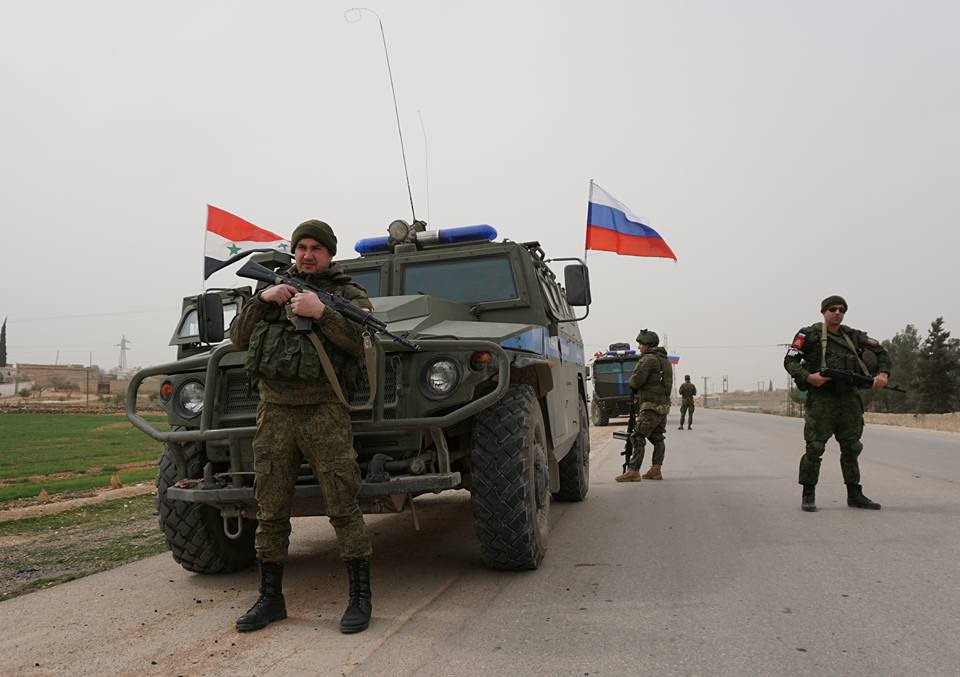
{"points": [[652, 379], [833, 408], [300, 414], [687, 392]]}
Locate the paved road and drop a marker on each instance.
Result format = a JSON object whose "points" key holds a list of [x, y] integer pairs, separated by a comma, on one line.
{"points": [[714, 571]]}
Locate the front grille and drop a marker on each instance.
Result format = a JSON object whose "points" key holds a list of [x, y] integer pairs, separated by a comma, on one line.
{"points": [[240, 397], [360, 394]]}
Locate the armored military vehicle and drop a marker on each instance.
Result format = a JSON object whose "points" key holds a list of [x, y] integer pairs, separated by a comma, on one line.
{"points": [[493, 398], [611, 371]]}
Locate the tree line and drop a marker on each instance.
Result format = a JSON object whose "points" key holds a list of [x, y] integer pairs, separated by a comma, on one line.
{"points": [[928, 368]]}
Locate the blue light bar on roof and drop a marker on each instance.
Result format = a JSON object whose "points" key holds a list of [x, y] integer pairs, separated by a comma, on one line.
{"points": [[459, 235], [372, 245], [467, 234]]}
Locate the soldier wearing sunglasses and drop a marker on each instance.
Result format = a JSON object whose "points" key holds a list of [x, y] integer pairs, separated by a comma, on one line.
{"points": [[834, 408]]}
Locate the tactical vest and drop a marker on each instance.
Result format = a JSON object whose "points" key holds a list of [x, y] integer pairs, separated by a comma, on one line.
{"points": [[278, 352], [659, 385]]}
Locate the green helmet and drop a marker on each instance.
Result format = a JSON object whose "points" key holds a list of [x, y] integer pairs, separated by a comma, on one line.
{"points": [[648, 338]]}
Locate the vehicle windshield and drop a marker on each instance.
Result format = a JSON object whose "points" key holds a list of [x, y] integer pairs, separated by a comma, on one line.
{"points": [[368, 279], [191, 327], [614, 367], [478, 280]]}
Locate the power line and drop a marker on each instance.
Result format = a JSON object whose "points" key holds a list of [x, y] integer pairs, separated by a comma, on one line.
{"points": [[75, 317]]}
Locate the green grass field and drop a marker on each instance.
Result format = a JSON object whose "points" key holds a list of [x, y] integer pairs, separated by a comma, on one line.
{"points": [[65, 453]]}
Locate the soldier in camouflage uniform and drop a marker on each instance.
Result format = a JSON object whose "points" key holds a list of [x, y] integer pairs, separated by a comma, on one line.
{"points": [[833, 408], [687, 392], [652, 380], [300, 414]]}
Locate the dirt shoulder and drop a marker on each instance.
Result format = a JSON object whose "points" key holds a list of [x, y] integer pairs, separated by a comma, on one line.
{"points": [[76, 540], [942, 422]]}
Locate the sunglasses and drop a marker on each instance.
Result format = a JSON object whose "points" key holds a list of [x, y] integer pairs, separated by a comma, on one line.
{"points": [[836, 309]]}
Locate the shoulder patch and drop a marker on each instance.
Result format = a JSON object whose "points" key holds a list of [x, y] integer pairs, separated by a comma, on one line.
{"points": [[871, 342], [798, 341]]}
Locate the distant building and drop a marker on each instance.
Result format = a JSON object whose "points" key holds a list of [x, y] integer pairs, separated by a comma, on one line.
{"points": [[84, 378]]}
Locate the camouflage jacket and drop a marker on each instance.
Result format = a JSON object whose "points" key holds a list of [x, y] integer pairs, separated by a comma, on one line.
{"points": [[652, 378], [803, 356], [341, 338], [687, 391]]}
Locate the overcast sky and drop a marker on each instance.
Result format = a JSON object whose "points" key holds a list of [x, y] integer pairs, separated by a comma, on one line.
{"points": [[785, 151]]}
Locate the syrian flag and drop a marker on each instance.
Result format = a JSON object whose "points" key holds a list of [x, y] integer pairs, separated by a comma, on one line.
{"points": [[229, 235]]}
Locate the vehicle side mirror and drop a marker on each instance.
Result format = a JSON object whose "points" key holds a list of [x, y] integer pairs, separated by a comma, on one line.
{"points": [[587, 375], [210, 318], [576, 280]]}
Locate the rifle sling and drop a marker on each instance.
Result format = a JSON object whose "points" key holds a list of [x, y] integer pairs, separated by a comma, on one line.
{"points": [[849, 342], [331, 374]]}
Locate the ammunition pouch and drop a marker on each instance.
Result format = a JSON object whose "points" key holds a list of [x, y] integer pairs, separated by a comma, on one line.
{"points": [[278, 352]]}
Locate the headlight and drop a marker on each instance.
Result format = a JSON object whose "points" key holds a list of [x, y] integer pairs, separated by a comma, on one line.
{"points": [[190, 398], [441, 377]]}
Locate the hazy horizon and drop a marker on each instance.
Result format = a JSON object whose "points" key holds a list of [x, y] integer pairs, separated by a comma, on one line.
{"points": [[786, 152]]}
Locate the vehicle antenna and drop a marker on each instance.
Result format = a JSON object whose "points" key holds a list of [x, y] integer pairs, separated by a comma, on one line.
{"points": [[426, 161], [353, 15]]}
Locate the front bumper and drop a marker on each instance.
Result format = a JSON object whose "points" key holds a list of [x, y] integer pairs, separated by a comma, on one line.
{"points": [[395, 485]]}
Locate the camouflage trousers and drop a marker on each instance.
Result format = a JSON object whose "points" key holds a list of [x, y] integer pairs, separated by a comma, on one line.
{"points": [[838, 414], [321, 434], [684, 410], [650, 426]]}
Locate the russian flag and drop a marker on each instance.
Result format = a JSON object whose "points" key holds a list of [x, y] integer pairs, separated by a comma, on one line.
{"points": [[229, 235], [673, 359], [612, 227]]}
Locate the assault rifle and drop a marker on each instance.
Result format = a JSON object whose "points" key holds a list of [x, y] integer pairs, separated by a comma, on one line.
{"points": [[628, 434], [856, 379], [254, 271]]}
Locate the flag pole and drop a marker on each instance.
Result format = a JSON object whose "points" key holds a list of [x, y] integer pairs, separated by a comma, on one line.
{"points": [[203, 257], [589, 195]]}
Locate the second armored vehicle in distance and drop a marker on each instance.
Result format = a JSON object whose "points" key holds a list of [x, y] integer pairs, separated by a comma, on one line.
{"points": [[610, 374]]}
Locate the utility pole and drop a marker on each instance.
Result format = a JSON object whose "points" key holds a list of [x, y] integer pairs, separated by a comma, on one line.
{"points": [[705, 391]]}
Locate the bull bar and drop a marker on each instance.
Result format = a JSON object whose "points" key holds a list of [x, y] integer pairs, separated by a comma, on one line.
{"points": [[444, 479]]}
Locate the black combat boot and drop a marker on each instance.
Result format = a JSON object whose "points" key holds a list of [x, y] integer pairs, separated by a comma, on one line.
{"points": [[270, 607], [856, 499], [357, 615], [809, 501]]}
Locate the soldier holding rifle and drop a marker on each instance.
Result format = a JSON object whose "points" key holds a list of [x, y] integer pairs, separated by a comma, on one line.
{"points": [[652, 380], [290, 337], [828, 360]]}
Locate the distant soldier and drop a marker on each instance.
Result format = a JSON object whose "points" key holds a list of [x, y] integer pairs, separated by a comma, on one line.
{"points": [[652, 379], [833, 408], [687, 392]]}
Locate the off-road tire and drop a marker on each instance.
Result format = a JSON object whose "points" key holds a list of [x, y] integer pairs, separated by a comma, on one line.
{"points": [[598, 416], [194, 531], [510, 481], [575, 466]]}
